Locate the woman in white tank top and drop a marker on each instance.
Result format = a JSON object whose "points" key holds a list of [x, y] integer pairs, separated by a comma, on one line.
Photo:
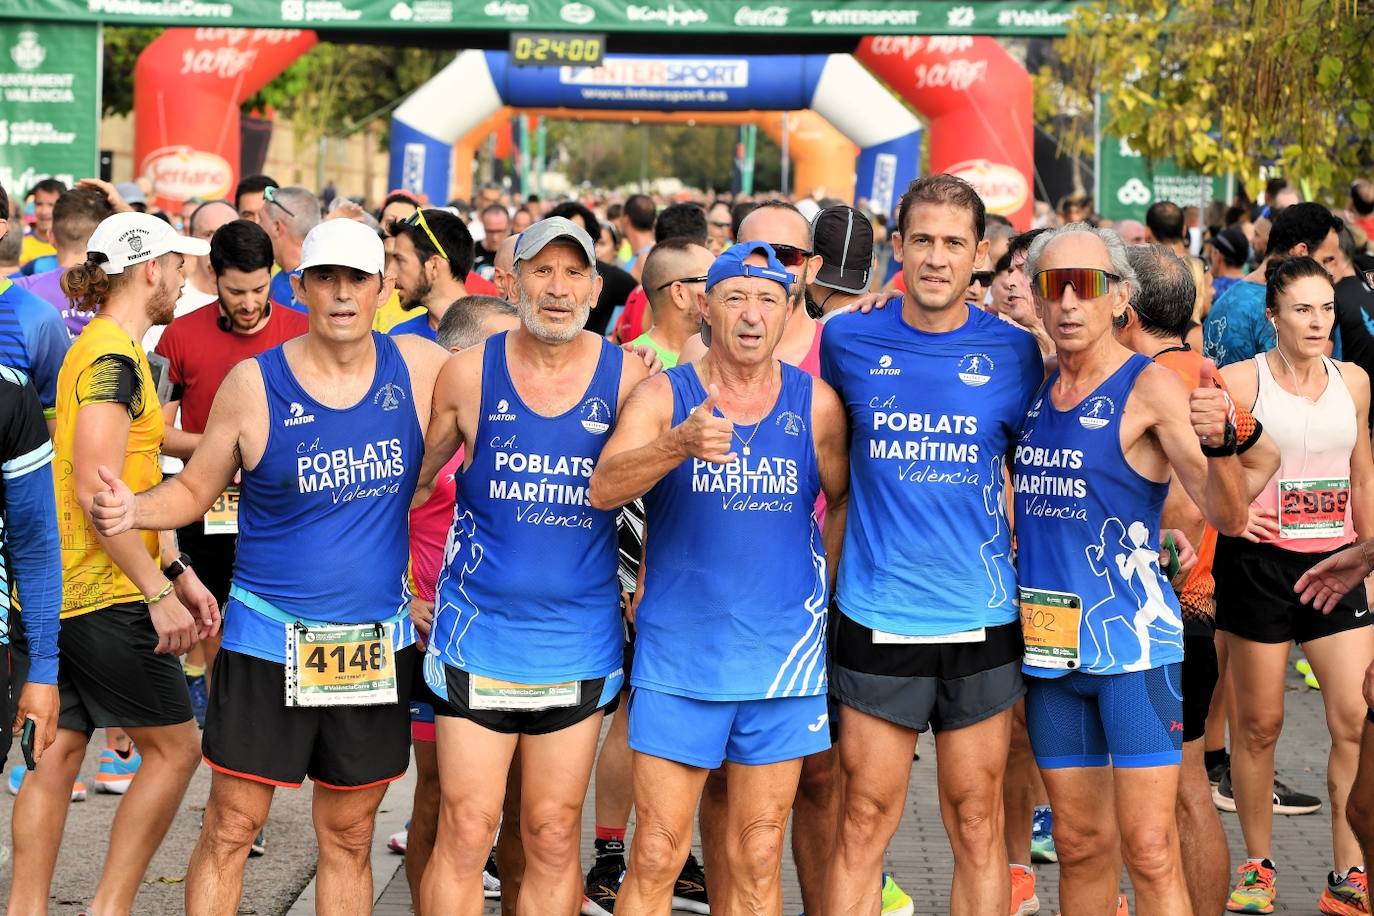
{"points": [[1317, 411]]}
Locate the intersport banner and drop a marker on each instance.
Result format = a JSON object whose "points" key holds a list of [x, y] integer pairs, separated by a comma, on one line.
{"points": [[846, 17], [50, 116]]}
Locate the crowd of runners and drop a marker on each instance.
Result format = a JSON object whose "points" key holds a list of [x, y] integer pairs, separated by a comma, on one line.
{"points": [[297, 489]]}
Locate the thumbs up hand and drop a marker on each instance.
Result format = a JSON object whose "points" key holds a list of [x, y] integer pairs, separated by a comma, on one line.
{"points": [[1210, 407], [112, 510], [704, 435]]}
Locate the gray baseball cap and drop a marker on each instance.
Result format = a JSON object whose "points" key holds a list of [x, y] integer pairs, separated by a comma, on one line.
{"points": [[533, 239]]}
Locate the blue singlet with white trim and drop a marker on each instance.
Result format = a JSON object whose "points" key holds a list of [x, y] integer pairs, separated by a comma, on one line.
{"points": [[734, 603], [927, 547], [529, 591], [1087, 526], [323, 515]]}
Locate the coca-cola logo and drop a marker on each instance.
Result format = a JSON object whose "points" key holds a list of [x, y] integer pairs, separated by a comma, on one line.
{"points": [[182, 172], [765, 16], [1003, 188]]}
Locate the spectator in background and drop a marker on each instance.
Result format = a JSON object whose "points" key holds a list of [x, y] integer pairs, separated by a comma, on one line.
{"points": [[998, 235], [638, 226], [133, 196], [1361, 209], [616, 284], [496, 226], [1075, 208], [1236, 328], [431, 261], [842, 238], [1354, 305], [74, 218], [248, 195], [38, 240], [719, 227], [33, 338], [1269, 205], [288, 215], [523, 219], [1230, 252], [674, 277], [678, 221], [1165, 221], [12, 243], [1132, 232], [397, 205]]}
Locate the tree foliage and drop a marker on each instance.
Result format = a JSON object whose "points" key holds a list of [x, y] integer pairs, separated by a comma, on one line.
{"points": [[333, 89], [612, 154], [1224, 85], [122, 44]]}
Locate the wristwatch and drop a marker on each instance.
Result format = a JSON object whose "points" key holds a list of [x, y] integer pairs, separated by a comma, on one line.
{"points": [[1228, 445], [177, 567]]}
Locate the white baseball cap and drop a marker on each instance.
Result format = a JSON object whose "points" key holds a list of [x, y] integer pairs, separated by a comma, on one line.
{"points": [[343, 243], [131, 238]]}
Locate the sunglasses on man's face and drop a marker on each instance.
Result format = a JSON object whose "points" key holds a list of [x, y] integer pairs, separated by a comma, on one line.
{"points": [[982, 277], [663, 286], [790, 255], [1087, 282]]}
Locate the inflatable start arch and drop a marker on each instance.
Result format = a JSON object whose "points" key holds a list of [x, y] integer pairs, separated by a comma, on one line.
{"points": [[834, 86]]}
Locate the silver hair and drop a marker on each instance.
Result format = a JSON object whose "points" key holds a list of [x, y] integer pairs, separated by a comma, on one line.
{"points": [[304, 207], [1165, 293], [1116, 250]]}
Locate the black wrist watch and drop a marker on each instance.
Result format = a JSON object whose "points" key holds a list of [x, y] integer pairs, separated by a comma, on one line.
{"points": [[177, 567], [1228, 445]]}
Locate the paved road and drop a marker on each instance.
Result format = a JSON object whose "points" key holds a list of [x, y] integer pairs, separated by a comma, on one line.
{"points": [[919, 856]]}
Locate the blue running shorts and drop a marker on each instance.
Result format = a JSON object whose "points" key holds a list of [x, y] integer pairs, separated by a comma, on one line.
{"points": [[704, 733], [1088, 720]]}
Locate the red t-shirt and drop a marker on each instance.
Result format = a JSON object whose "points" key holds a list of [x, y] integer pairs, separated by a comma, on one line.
{"points": [[201, 354], [476, 286]]}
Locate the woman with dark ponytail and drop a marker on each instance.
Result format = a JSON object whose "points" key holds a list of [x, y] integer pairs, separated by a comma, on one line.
{"points": [[1317, 411]]}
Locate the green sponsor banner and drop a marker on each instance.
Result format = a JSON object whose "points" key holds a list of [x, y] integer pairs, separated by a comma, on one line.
{"points": [[50, 119], [845, 17], [1127, 182]]}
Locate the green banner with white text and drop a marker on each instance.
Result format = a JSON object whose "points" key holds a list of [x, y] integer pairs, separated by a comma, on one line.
{"points": [[50, 117], [722, 17]]}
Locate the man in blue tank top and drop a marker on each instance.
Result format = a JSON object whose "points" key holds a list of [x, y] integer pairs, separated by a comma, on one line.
{"points": [[314, 675], [926, 634], [526, 645], [1102, 628], [729, 454]]}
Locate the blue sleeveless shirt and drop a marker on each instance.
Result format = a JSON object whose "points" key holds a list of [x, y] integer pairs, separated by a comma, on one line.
{"points": [[1087, 525], [529, 591], [734, 603], [927, 547], [323, 515]]}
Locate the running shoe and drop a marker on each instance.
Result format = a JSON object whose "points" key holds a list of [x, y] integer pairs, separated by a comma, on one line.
{"points": [[259, 845], [896, 902], [200, 697], [116, 771], [1023, 899], [1042, 836], [397, 841], [16, 779], [1215, 772], [1346, 896], [1286, 801], [491, 878], [1308, 677], [1254, 891], [689, 893], [603, 883]]}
